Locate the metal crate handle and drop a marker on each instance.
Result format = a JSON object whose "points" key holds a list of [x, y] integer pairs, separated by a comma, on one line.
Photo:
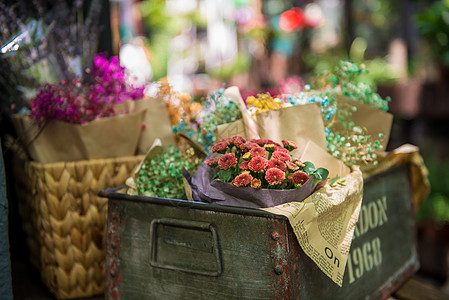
{"points": [[189, 225]]}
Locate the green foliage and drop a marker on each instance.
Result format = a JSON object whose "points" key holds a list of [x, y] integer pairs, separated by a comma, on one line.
{"points": [[161, 176], [433, 26], [436, 206]]}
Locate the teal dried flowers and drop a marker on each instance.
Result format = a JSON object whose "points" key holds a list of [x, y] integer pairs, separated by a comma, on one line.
{"points": [[161, 176], [344, 80], [345, 140]]}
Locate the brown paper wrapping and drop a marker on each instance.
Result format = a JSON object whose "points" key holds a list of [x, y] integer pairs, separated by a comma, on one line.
{"points": [[61, 141], [374, 120], [155, 124], [299, 123]]}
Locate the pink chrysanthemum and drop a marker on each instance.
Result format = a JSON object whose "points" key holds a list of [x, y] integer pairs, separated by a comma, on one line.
{"points": [[257, 151], [300, 177], [248, 146], [220, 147], [257, 164], [262, 142], [212, 161], [227, 160], [274, 176], [289, 145], [281, 156], [239, 141], [256, 183], [291, 167], [299, 163], [244, 165], [242, 180], [277, 163], [280, 149], [227, 141]]}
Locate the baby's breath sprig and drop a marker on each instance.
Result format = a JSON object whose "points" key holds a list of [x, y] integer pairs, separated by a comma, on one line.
{"points": [[161, 176], [344, 80], [345, 140]]}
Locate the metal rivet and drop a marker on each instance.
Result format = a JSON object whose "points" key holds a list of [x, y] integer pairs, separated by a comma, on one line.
{"points": [[278, 270]]}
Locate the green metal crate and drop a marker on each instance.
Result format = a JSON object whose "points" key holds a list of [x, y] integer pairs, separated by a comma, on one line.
{"points": [[173, 249]]}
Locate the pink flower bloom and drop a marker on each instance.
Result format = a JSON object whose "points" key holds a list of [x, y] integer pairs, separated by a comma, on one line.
{"points": [[257, 164], [238, 141], [300, 177], [212, 161], [256, 183], [291, 166], [227, 160], [220, 147], [248, 146], [257, 151], [262, 142], [281, 156], [244, 165], [242, 180], [274, 176], [299, 163], [280, 149], [277, 163], [289, 145]]}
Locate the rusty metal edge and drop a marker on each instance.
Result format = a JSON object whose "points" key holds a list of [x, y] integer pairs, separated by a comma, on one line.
{"points": [[113, 194]]}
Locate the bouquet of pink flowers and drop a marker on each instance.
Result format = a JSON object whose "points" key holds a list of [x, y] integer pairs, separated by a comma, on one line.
{"points": [[86, 99], [254, 173]]}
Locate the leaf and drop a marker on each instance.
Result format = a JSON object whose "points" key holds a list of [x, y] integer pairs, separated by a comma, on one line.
{"points": [[225, 175], [333, 180], [321, 173], [309, 167]]}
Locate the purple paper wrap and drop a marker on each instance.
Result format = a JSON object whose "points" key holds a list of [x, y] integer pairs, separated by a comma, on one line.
{"points": [[206, 189]]}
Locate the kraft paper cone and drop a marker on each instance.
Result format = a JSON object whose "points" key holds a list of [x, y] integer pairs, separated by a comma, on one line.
{"points": [[155, 124], [61, 141], [250, 126], [374, 120], [299, 123]]}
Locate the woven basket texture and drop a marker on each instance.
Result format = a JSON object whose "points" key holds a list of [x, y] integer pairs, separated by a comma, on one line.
{"points": [[65, 221]]}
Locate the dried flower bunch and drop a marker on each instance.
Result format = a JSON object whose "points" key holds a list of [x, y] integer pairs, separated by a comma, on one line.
{"points": [[261, 164], [88, 98], [179, 105], [218, 109], [352, 145], [161, 176], [262, 103], [343, 80]]}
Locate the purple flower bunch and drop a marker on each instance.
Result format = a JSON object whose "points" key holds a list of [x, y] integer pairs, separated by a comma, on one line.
{"points": [[82, 101]]}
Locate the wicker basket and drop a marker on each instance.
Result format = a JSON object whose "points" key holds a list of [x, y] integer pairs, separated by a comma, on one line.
{"points": [[65, 221]]}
